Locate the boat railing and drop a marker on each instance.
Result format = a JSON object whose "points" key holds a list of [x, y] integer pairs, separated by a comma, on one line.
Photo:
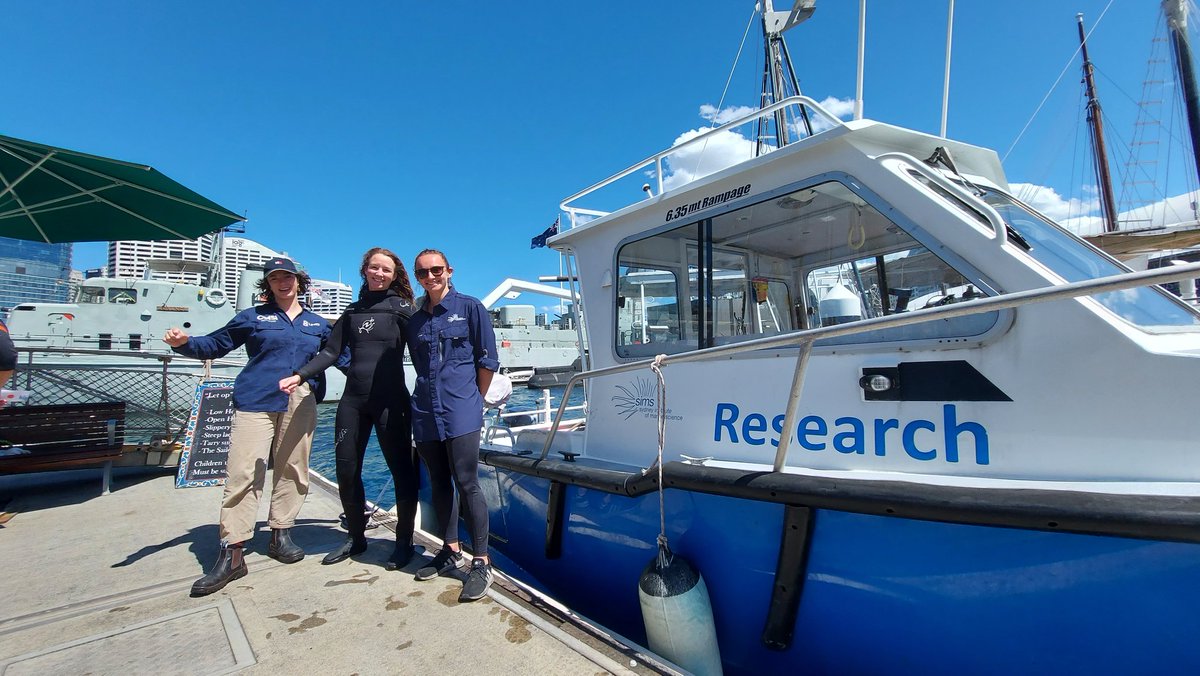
{"points": [[804, 339], [657, 158], [157, 397], [541, 417]]}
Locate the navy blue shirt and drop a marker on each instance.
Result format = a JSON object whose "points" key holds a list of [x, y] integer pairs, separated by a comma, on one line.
{"points": [[8, 351], [448, 344], [276, 345]]}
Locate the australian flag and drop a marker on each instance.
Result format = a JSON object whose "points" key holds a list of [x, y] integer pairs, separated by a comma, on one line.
{"points": [[540, 240]]}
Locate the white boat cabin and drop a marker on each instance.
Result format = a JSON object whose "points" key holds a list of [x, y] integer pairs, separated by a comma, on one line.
{"points": [[859, 221]]}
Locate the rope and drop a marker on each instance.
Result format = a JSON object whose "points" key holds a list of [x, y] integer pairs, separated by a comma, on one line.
{"points": [[375, 505], [1070, 62], [724, 92], [664, 551]]}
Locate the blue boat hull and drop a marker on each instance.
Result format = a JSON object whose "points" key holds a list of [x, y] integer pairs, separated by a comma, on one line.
{"points": [[880, 594]]}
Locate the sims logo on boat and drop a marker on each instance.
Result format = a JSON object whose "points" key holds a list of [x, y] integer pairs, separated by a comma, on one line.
{"points": [[640, 399]]}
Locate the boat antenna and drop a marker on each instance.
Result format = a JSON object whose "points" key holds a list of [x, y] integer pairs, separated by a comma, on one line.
{"points": [[1177, 14], [779, 77], [1103, 177], [946, 77]]}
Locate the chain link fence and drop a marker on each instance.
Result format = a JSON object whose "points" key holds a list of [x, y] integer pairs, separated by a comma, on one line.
{"points": [[157, 389]]}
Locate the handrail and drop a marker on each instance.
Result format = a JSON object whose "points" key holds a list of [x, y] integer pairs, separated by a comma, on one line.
{"points": [[158, 356], [992, 216], [657, 158], [806, 338]]}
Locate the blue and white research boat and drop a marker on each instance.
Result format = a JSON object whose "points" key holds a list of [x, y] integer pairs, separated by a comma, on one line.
{"points": [[938, 432]]}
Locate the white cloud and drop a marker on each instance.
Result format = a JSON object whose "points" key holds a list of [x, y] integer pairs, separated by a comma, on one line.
{"points": [[1082, 215], [718, 151], [1072, 212], [720, 117], [726, 148], [842, 108]]}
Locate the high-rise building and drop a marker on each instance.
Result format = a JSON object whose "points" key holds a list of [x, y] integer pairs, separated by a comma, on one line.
{"points": [[329, 299], [238, 254], [33, 272], [127, 258]]}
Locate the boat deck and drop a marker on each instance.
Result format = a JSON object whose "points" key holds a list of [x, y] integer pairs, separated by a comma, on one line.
{"points": [[100, 584]]}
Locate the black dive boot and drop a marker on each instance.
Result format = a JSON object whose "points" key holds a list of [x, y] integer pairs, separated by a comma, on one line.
{"points": [[282, 548], [400, 557], [230, 566], [353, 545], [406, 516]]}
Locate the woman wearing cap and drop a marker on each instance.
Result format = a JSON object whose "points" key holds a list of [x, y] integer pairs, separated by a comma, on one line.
{"points": [[454, 352], [279, 336], [373, 328]]}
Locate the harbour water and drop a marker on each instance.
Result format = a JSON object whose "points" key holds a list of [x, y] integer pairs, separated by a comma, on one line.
{"points": [[375, 472]]}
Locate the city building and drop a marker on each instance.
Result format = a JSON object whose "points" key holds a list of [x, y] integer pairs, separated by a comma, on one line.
{"points": [[33, 272], [127, 258], [238, 254], [329, 299]]}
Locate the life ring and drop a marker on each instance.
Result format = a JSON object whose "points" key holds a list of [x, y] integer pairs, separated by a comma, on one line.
{"points": [[215, 297]]}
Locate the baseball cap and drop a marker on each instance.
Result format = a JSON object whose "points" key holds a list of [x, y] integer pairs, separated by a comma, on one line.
{"points": [[279, 264]]}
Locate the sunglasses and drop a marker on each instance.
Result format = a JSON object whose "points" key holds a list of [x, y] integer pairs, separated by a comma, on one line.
{"points": [[436, 271]]}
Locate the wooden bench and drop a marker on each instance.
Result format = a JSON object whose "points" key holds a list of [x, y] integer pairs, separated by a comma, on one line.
{"points": [[62, 436]]}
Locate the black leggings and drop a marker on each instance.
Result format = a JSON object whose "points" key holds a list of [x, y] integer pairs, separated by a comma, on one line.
{"points": [[457, 458], [393, 429]]}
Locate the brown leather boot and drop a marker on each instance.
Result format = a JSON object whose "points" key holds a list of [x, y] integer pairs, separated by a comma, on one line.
{"points": [[230, 566]]}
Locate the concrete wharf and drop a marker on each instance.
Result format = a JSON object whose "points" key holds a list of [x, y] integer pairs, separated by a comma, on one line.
{"points": [[99, 584]]}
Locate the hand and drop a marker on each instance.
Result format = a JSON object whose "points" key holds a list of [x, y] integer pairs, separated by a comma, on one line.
{"points": [[289, 384], [175, 337]]}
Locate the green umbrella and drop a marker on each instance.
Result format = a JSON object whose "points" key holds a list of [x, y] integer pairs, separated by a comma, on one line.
{"points": [[50, 194]]}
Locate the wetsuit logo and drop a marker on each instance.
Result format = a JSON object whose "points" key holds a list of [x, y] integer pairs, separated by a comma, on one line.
{"points": [[366, 326], [455, 318]]}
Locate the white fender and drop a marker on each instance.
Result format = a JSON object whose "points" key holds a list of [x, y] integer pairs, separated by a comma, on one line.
{"points": [[678, 615]]}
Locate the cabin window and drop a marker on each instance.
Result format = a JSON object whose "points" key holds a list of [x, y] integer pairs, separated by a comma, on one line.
{"points": [[104, 342], [1074, 261], [135, 341], [91, 295], [122, 296], [655, 274], [816, 257]]}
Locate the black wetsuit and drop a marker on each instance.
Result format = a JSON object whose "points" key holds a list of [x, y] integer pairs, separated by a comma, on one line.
{"points": [[374, 329]]}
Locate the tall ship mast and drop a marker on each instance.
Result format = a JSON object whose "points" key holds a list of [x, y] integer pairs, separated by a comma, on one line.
{"points": [[1177, 16]]}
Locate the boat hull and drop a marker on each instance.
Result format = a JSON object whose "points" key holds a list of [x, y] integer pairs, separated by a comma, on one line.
{"points": [[880, 594]]}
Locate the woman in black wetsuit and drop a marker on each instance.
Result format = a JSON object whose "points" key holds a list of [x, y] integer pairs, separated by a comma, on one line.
{"points": [[373, 327]]}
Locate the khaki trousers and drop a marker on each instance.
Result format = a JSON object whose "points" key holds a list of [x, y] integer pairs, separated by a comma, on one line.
{"points": [[284, 436]]}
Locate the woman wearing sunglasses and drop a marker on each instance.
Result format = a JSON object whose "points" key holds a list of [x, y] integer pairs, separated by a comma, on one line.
{"points": [[373, 329], [453, 349]]}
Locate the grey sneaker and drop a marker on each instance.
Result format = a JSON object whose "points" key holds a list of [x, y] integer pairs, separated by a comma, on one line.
{"points": [[478, 581], [445, 561]]}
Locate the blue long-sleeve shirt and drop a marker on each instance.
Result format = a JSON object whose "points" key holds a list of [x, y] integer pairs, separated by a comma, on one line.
{"points": [[8, 351], [448, 344], [276, 345]]}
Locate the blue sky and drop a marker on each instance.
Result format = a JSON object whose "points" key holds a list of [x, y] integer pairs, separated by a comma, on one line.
{"points": [[337, 127]]}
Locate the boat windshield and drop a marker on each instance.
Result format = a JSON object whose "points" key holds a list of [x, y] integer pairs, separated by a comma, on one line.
{"points": [[1052, 246]]}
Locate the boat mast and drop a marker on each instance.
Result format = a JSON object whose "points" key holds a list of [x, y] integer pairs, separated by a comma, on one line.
{"points": [[1177, 12], [779, 78], [1103, 177]]}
